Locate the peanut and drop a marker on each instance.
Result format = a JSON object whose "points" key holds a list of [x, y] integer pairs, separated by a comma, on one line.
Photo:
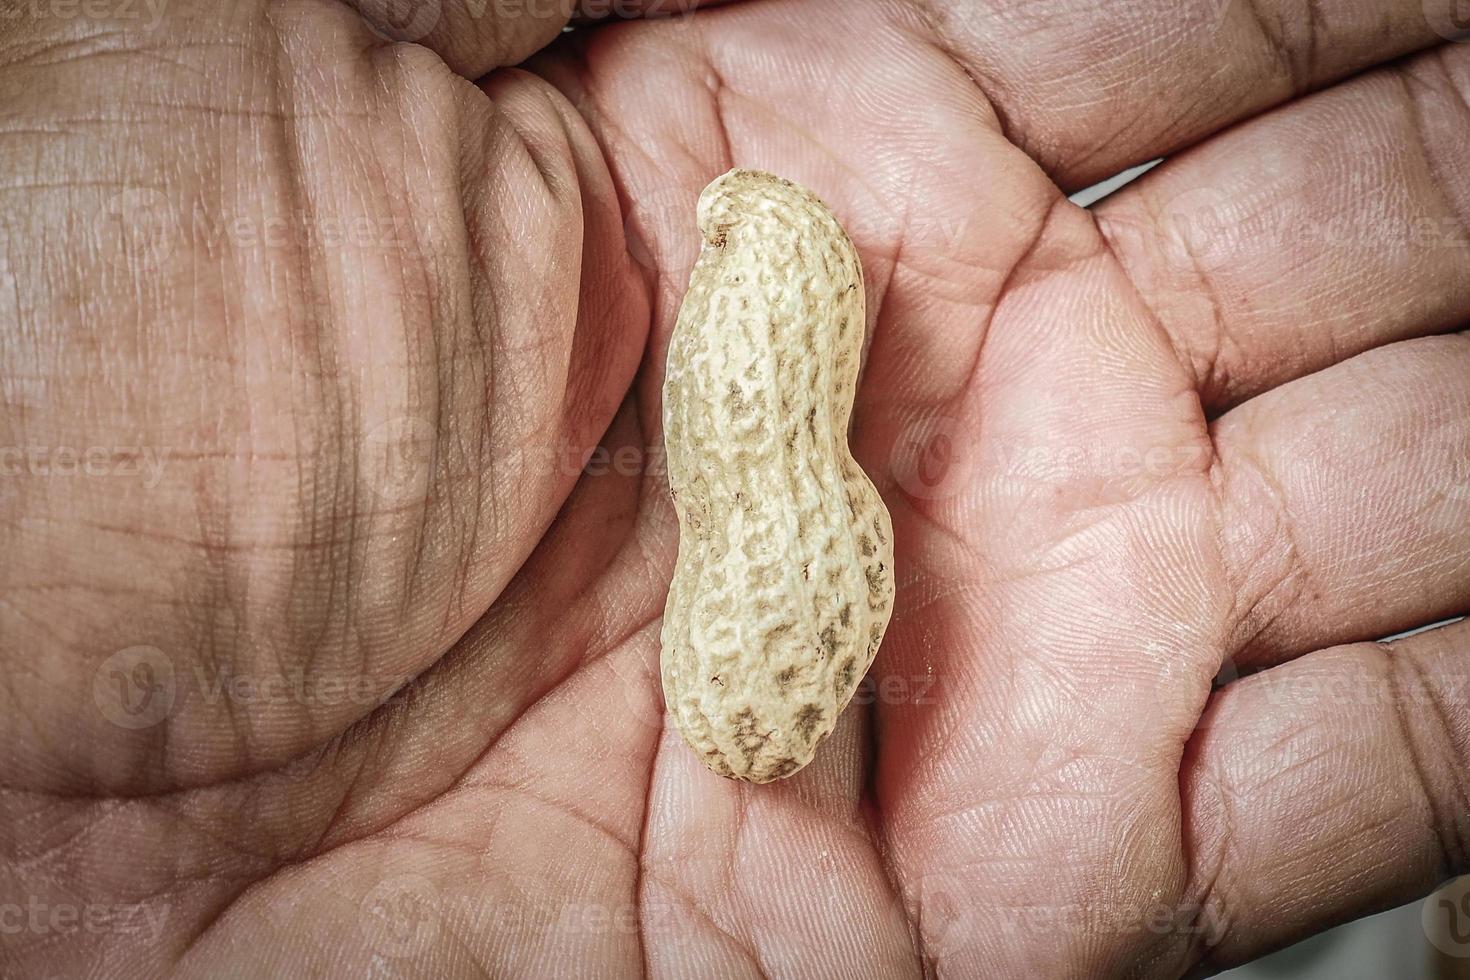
{"points": [[784, 580]]}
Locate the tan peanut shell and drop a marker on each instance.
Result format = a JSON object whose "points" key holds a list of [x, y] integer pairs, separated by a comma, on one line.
{"points": [[784, 580]]}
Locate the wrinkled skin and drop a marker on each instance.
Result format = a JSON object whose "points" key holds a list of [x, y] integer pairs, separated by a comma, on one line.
{"points": [[364, 678]]}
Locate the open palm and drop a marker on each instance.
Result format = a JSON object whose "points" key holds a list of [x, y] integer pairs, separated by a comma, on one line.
{"points": [[1218, 424]]}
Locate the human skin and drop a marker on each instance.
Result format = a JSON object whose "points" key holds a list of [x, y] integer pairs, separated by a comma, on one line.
{"points": [[1218, 426]]}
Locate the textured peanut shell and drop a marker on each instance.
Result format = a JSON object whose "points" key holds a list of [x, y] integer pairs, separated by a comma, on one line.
{"points": [[784, 580]]}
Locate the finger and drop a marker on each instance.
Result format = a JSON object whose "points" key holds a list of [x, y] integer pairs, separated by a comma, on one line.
{"points": [[1319, 231], [566, 656], [1027, 712], [378, 296], [1346, 501], [724, 858], [1326, 789], [1097, 89]]}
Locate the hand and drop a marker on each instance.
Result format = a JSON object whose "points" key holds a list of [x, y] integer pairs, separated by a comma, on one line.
{"points": [[1216, 425]]}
